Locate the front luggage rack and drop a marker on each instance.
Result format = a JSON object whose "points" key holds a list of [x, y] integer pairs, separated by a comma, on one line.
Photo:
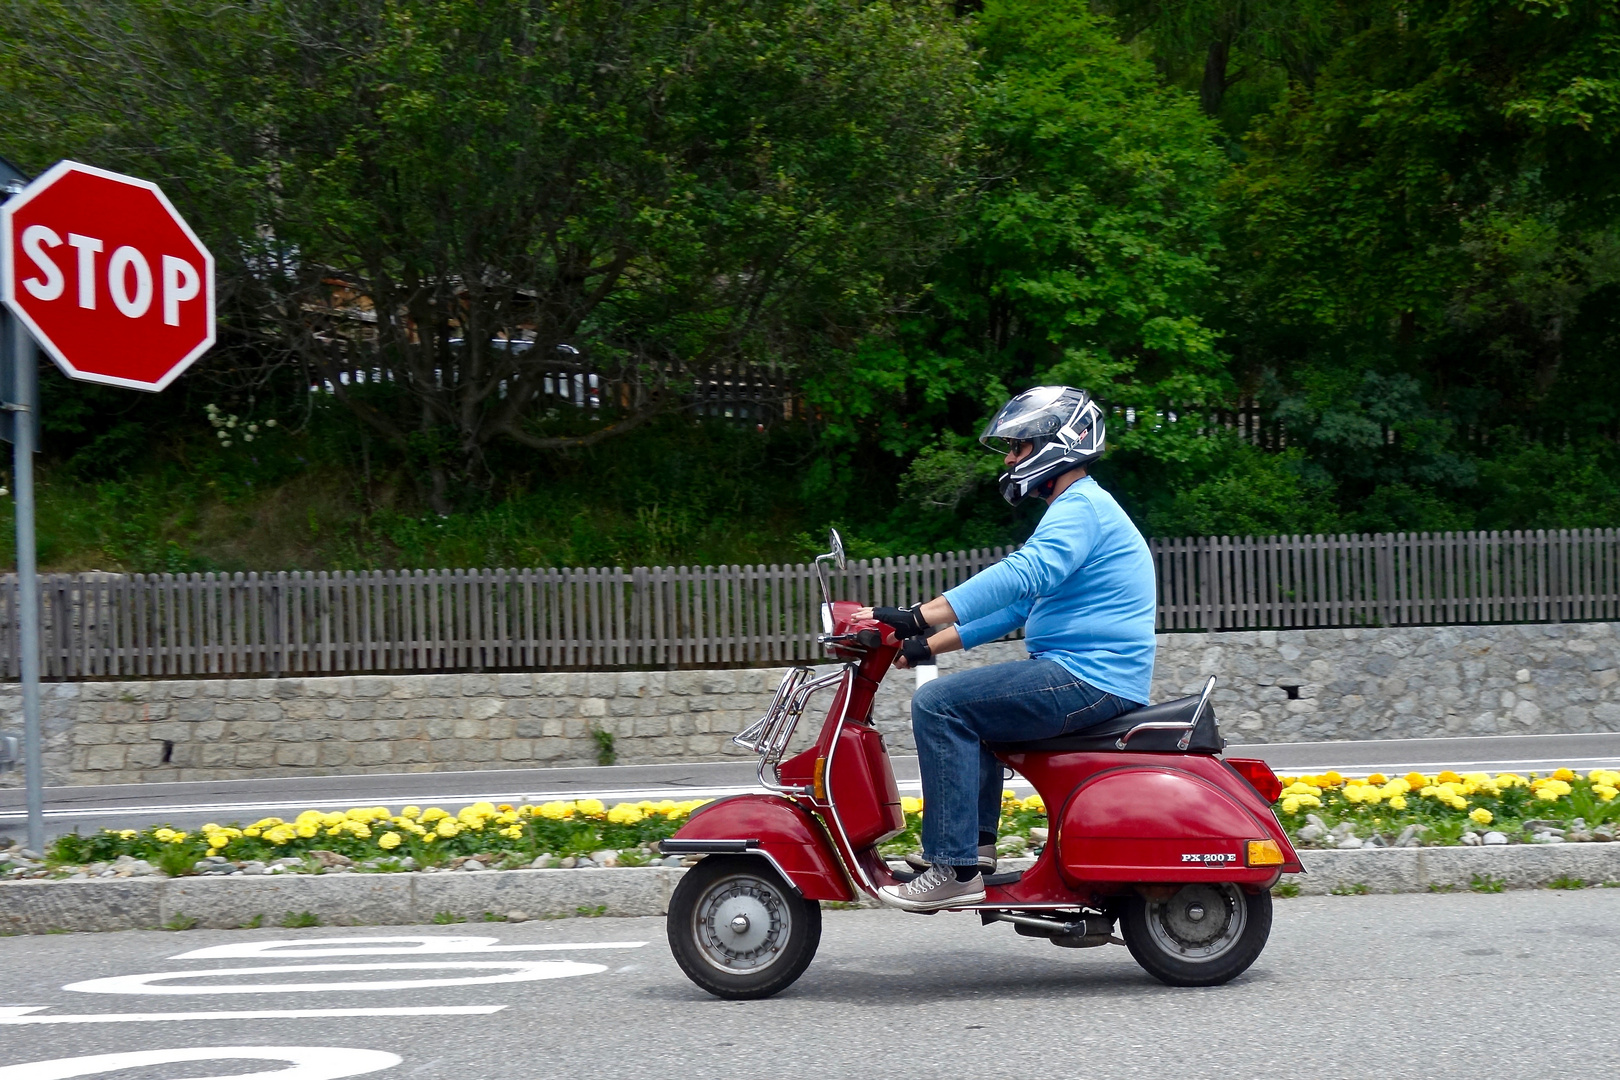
{"points": [[770, 734]]}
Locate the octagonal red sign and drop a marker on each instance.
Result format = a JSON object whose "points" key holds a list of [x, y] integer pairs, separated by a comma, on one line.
{"points": [[109, 277]]}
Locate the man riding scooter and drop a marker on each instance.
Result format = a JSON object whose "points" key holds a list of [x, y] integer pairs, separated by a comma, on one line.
{"points": [[1083, 589]]}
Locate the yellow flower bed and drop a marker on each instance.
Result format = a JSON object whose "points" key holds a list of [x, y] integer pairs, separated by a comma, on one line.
{"points": [[1446, 805], [1450, 805], [431, 835]]}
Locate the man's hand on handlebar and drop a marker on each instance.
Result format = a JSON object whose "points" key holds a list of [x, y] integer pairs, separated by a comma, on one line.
{"points": [[914, 651], [906, 622], [918, 646]]}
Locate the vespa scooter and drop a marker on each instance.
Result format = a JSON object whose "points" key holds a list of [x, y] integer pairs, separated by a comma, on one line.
{"points": [[1151, 831]]}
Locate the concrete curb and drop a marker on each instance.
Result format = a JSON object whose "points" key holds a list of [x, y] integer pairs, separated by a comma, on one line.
{"points": [[1444, 869], [37, 907]]}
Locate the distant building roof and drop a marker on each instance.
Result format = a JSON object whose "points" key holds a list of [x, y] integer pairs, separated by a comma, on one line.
{"points": [[10, 174]]}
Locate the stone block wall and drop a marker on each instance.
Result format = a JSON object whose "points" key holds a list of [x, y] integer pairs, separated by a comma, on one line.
{"points": [[1276, 686]]}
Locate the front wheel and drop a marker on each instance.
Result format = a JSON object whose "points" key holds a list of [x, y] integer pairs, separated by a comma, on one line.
{"points": [[1204, 935], [738, 930]]}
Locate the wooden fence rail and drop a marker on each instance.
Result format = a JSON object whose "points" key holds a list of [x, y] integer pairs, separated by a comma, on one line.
{"points": [[157, 625]]}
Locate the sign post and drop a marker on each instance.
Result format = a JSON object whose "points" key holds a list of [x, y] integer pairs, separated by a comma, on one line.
{"points": [[22, 402], [105, 275]]}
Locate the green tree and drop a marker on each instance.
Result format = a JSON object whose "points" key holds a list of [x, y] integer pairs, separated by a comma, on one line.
{"points": [[1086, 257], [418, 201], [1423, 250]]}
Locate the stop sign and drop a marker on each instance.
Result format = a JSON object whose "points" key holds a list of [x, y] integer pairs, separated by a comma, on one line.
{"points": [[108, 276]]}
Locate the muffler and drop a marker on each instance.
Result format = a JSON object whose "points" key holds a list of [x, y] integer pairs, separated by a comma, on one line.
{"points": [[1085, 932]]}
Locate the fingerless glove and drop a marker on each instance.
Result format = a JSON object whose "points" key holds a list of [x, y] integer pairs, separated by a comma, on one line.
{"points": [[907, 622], [916, 651]]}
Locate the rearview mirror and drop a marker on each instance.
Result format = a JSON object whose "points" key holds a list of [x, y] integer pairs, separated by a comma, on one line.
{"points": [[837, 543]]}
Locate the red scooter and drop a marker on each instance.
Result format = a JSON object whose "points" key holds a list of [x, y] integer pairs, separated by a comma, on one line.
{"points": [[1150, 829]]}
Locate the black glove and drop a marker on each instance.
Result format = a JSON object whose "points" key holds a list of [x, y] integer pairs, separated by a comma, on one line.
{"points": [[916, 651], [907, 622]]}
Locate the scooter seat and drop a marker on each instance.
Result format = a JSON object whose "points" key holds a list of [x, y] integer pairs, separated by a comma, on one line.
{"points": [[1205, 737]]}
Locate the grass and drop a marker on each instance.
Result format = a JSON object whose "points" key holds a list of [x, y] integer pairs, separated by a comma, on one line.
{"points": [[1354, 888], [1485, 883], [591, 912], [254, 923], [445, 918], [1287, 890], [298, 920], [299, 498], [1565, 881], [605, 752], [180, 922]]}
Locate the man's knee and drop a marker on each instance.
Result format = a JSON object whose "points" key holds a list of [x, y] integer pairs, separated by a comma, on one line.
{"points": [[930, 699]]}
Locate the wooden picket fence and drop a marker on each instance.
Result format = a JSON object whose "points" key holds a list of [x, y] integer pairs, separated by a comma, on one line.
{"points": [[157, 625]]}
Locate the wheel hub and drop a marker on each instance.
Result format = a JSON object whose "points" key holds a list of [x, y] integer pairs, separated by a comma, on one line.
{"points": [[1200, 922], [742, 925]]}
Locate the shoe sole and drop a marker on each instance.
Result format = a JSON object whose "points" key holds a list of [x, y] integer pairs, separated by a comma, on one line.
{"points": [[926, 906]]}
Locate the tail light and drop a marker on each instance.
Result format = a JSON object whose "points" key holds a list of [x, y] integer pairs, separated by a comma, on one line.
{"points": [[1259, 775]]}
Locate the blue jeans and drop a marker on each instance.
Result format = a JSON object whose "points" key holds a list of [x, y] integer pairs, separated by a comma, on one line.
{"points": [[954, 716]]}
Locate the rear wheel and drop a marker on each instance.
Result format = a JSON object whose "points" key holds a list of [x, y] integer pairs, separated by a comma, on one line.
{"points": [[738, 930], [1204, 935]]}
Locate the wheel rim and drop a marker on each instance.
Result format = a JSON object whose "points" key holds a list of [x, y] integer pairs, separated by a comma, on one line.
{"points": [[1200, 923], [741, 924]]}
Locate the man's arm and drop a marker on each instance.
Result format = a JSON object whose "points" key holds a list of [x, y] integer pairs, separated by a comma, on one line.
{"points": [[1061, 543], [951, 639]]}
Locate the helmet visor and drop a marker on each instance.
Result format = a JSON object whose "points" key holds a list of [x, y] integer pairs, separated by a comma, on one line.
{"points": [[1029, 416]]}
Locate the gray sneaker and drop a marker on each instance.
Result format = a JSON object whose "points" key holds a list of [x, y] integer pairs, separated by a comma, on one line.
{"points": [[934, 890], [987, 860]]}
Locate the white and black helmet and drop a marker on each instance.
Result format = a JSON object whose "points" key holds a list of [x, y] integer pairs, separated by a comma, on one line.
{"points": [[1065, 425]]}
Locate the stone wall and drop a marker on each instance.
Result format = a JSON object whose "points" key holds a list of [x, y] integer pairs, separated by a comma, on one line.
{"points": [[1276, 686]]}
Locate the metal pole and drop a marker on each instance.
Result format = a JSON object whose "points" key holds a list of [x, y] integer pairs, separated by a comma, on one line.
{"points": [[24, 406]]}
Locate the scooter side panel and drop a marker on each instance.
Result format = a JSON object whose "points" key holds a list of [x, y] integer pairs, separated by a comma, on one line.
{"points": [[861, 782], [788, 834], [1157, 824]]}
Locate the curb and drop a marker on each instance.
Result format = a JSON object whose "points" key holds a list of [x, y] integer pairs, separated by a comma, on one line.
{"points": [[220, 903], [1445, 869]]}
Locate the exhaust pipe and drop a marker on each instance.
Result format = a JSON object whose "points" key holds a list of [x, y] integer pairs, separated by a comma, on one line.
{"points": [[1086, 932]]}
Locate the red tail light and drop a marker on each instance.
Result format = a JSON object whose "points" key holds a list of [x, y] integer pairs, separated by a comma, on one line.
{"points": [[1260, 775]]}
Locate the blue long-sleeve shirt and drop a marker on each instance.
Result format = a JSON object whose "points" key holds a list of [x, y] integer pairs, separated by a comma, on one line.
{"points": [[1082, 588]]}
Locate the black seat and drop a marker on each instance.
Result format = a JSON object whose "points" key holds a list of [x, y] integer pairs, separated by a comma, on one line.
{"points": [[1206, 736]]}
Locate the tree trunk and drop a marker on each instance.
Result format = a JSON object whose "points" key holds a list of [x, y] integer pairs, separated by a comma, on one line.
{"points": [[1213, 89]]}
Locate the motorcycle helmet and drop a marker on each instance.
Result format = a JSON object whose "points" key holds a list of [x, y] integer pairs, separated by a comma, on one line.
{"points": [[1066, 427]]}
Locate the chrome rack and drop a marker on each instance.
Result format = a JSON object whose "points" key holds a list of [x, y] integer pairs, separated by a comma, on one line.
{"points": [[1184, 726], [770, 734]]}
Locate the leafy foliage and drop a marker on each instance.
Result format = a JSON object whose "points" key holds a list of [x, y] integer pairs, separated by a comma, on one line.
{"points": [[1387, 229]]}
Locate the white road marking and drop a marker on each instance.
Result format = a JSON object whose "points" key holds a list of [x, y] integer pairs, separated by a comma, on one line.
{"points": [[13, 1016], [514, 971], [308, 1062], [408, 946]]}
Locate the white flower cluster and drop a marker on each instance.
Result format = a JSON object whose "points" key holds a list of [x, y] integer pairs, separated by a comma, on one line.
{"points": [[226, 424]]}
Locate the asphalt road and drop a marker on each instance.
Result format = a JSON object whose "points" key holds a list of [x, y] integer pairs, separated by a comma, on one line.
{"points": [[1520, 983], [191, 804]]}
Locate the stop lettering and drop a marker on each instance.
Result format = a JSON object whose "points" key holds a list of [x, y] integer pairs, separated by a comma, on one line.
{"points": [[111, 280]]}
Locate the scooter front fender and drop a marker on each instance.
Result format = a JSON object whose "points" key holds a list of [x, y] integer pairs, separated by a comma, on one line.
{"points": [[771, 827]]}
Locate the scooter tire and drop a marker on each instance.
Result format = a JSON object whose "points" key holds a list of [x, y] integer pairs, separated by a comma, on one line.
{"points": [[779, 935], [1151, 929]]}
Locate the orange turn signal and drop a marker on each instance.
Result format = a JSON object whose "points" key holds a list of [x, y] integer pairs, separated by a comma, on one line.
{"points": [[1265, 853], [818, 784]]}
